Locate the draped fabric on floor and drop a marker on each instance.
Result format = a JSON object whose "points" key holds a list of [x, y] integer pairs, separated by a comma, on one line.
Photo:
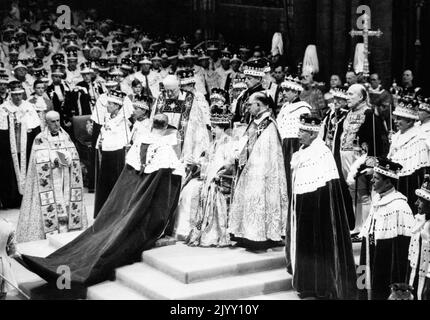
{"points": [[131, 221]]}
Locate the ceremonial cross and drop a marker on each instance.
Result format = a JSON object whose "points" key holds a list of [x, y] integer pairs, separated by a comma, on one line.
{"points": [[366, 33]]}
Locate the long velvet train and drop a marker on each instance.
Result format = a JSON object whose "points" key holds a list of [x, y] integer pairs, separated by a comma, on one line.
{"points": [[131, 221]]}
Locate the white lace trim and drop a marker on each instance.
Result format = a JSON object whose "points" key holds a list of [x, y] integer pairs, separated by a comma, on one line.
{"points": [[389, 217], [288, 119], [410, 150], [313, 167]]}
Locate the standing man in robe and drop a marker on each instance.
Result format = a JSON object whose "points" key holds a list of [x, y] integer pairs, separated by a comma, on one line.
{"points": [[288, 121], [137, 214], [362, 134], [187, 115], [20, 73], [424, 115], [260, 201], [254, 72], [112, 143], [381, 101], [82, 102], [19, 125], [409, 149], [59, 91], [4, 94], [319, 256], [386, 232], [312, 94], [53, 195], [419, 249]]}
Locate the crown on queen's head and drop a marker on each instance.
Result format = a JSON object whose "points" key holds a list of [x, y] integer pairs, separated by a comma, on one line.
{"points": [[221, 115]]}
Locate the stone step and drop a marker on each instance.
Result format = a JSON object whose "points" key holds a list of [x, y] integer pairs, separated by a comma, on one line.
{"points": [[27, 280], [59, 240], [113, 290], [155, 284], [282, 295], [39, 248], [195, 264]]}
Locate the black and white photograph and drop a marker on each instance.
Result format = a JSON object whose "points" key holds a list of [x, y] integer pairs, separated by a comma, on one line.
{"points": [[227, 153]]}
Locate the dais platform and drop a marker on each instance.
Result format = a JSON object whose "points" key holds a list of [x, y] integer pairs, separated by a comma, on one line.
{"points": [[179, 272]]}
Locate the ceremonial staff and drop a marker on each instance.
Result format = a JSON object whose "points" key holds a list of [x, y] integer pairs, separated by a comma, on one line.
{"points": [[16, 288], [127, 147]]}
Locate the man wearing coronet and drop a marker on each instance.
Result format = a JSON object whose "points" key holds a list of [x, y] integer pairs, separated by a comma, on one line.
{"points": [[319, 255], [254, 72], [386, 232]]}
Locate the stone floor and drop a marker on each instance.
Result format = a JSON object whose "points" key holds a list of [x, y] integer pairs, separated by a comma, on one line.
{"points": [[169, 272]]}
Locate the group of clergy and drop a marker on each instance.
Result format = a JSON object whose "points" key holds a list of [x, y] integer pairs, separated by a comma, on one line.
{"points": [[266, 159]]}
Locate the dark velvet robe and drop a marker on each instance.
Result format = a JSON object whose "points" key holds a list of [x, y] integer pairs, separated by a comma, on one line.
{"points": [[241, 115], [325, 265], [63, 108], [133, 218], [111, 166], [388, 265], [9, 194], [87, 154], [336, 154]]}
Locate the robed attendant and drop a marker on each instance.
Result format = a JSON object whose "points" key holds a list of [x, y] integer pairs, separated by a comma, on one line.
{"points": [[288, 121], [53, 194], [386, 233], [19, 125], [260, 201], [419, 249], [319, 255], [186, 115], [134, 217], [113, 139], [409, 148]]}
